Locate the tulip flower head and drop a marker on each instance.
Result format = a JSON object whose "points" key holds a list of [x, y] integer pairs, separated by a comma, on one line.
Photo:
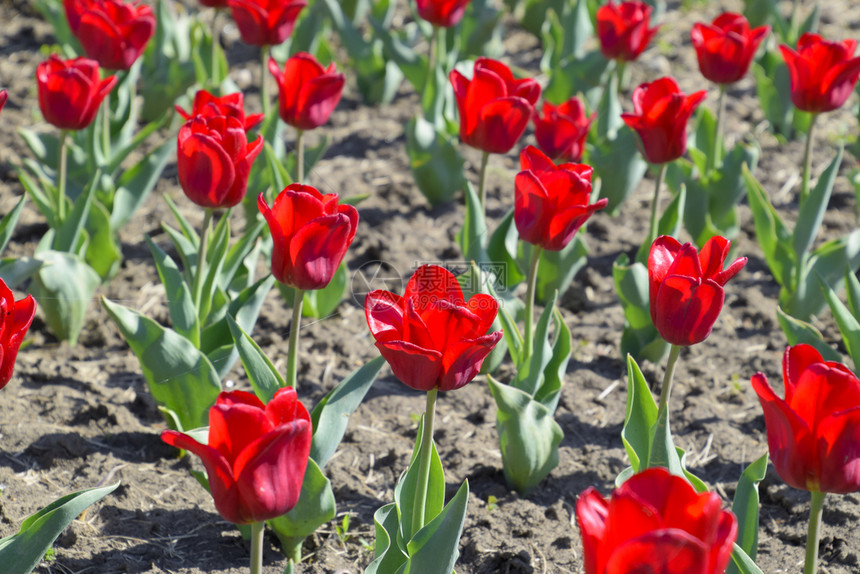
{"points": [[112, 32], [443, 13], [70, 91], [623, 29], [823, 74], [685, 288], [311, 234], [232, 105], [814, 433], [561, 130], [431, 336], [4, 97], [16, 319], [265, 22], [494, 107], [307, 92], [661, 111], [214, 160], [256, 454], [655, 522], [551, 201], [725, 48]]}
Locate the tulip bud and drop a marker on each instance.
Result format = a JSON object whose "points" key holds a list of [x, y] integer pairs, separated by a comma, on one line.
{"points": [[307, 92], [623, 29], [443, 13], [561, 130], [726, 47], [823, 74], [231, 105], [15, 319], [265, 22], [111, 32], [70, 91]]}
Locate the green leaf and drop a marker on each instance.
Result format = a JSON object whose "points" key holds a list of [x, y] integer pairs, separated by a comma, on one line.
{"points": [[639, 338], [473, 236], [828, 264], [744, 564], [558, 268], [262, 374], [103, 250], [663, 452], [434, 548], [9, 222], [277, 167], [63, 286], [178, 374], [237, 253], [852, 289], [620, 167], [180, 303], [502, 250], [15, 270], [39, 197], [797, 332], [639, 418], [550, 391], [434, 160], [69, 235], [137, 182], [530, 376], [23, 551], [404, 492], [848, 325], [330, 416], [811, 212], [511, 332], [745, 508], [609, 110], [772, 234], [388, 554]]}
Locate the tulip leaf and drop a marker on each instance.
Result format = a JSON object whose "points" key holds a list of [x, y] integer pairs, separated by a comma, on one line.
{"points": [[103, 252], [745, 507], [330, 416], [662, 451], [64, 286], [23, 551], [39, 197], [745, 564], [388, 553], [180, 304], [15, 270], [812, 209], [473, 236], [69, 235], [280, 176], [188, 231], [262, 374], [773, 87], [510, 331], [558, 268], [827, 263], [480, 32], [772, 234], [434, 160], [846, 321], [800, 332], [434, 548], [528, 437], [404, 492], [852, 288], [640, 417], [550, 390], [620, 168], [502, 251], [9, 222], [312, 155], [609, 110], [237, 255], [179, 376], [411, 63], [639, 338], [530, 376]]}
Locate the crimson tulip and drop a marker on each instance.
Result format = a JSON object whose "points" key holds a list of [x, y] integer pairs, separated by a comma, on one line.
{"points": [[655, 522], [232, 105], [725, 48], [70, 91], [311, 234], [214, 160], [685, 288], [495, 108], [443, 13], [16, 319], [307, 92], [4, 96], [265, 22], [561, 130], [431, 336], [814, 433], [661, 112], [551, 202], [823, 74], [256, 454], [112, 32], [623, 29]]}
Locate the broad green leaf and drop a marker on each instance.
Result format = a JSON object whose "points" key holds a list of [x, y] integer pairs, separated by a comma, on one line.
{"points": [[502, 250], [550, 391], [69, 235], [639, 338], [404, 492], [15, 270], [848, 325], [434, 548], [434, 160], [64, 286], [180, 303], [639, 418], [811, 212], [558, 268], [609, 110], [9, 221], [137, 182], [744, 564], [745, 508], [388, 553], [772, 234], [530, 376], [797, 332], [473, 236], [663, 452], [827, 263], [620, 168], [262, 374], [103, 249]]}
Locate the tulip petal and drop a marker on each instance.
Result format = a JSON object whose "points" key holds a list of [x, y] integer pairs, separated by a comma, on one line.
{"points": [[668, 551], [839, 451], [206, 171], [318, 99], [413, 366], [794, 362], [591, 513], [532, 210], [686, 309], [486, 308], [317, 249], [384, 312], [501, 123], [234, 425], [431, 283], [462, 360]]}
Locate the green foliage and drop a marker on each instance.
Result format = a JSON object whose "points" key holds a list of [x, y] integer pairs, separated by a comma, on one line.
{"points": [[639, 338], [745, 508], [435, 162]]}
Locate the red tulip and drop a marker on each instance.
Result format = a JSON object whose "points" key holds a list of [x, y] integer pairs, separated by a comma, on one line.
{"points": [[311, 234], [214, 160], [623, 29], [726, 47], [215, 3], [551, 201], [814, 434], [256, 454], [307, 92], [661, 111], [265, 22], [685, 288], [111, 32], [16, 319], [431, 336], [444, 13], [4, 96], [561, 130], [494, 107], [823, 74], [70, 91], [231, 105], [655, 522]]}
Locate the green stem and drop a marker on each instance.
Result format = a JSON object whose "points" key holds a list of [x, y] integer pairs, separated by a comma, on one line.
{"points": [[795, 14], [668, 376], [257, 547], [619, 71], [61, 177], [200, 272], [717, 159], [213, 70], [807, 160], [106, 129], [813, 534], [295, 326], [431, 58], [652, 230], [426, 450], [530, 301], [482, 181], [264, 84], [300, 156]]}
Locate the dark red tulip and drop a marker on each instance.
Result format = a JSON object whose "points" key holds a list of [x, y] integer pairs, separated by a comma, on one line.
{"points": [[655, 522], [685, 288], [725, 48], [561, 130], [4, 96], [256, 454], [307, 92], [311, 234], [70, 91], [16, 319], [215, 3], [551, 202], [661, 112], [444, 13], [112, 32], [431, 336], [814, 433], [265, 22], [494, 107], [623, 29], [214, 160], [231, 105], [823, 74]]}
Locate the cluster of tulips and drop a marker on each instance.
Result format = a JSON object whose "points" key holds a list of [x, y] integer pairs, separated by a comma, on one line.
{"points": [[264, 452]]}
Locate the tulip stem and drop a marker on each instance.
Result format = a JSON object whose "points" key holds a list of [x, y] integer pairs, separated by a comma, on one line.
{"points": [[200, 271], [426, 450], [264, 85], [668, 376], [61, 178], [813, 534], [716, 159], [431, 59], [300, 156], [257, 547], [482, 181], [106, 128], [807, 160], [530, 301], [295, 326], [652, 230]]}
